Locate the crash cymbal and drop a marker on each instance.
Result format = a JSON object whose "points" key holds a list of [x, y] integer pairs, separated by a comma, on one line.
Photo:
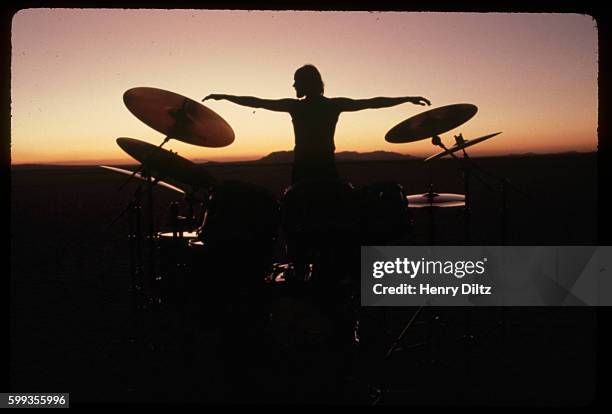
{"points": [[433, 199], [161, 163], [461, 145], [141, 177], [429, 123], [178, 117]]}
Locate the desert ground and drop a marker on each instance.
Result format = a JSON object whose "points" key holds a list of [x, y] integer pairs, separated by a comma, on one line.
{"points": [[73, 326]]}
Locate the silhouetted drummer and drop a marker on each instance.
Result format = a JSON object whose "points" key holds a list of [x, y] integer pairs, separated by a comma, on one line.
{"points": [[314, 118]]}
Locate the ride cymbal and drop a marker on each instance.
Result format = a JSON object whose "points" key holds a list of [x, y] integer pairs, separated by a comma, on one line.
{"points": [[178, 117], [430, 123]]}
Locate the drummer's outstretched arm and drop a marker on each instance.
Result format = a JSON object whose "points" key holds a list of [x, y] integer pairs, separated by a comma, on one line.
{"points": [[349, 105], [279, 105]]}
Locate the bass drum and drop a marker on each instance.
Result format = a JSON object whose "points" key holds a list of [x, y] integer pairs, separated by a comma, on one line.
{"points": [[385, 216]]}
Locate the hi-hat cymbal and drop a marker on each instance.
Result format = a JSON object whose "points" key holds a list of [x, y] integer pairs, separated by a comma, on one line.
{"points": [[141, 177], [462, 145], [178, 117], [432, 199], [429, 123], [161, 163]]}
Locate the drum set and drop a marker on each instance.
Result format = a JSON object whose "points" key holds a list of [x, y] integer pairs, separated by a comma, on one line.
{"points": [[238, 245]]}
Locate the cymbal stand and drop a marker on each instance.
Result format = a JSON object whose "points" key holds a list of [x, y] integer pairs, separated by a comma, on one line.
{"points": [[466, 168], [503, 218], [467, 175], [150, 280], [177, 227], [141, 268], [399, 339], [380, 391], [505, 186], [468, 165], [431, 211], [135, 247]]}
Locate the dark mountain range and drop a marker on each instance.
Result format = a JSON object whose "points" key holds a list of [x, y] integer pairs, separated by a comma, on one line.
{"points": [[287, 156]]}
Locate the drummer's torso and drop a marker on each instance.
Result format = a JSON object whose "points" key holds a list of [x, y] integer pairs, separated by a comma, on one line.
{"points": [[314, 124]]}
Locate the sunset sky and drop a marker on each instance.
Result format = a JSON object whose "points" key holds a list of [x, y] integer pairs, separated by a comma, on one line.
{"points": [[532, 76]]}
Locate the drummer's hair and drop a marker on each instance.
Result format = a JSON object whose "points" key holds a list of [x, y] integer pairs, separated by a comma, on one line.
{"points": [[311, 79]]}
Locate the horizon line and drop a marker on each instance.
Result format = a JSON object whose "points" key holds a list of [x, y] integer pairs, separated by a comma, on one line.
{"points": [[95, 163]]}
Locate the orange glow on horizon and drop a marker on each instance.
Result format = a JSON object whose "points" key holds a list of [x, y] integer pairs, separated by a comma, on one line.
{"points": [[532, 76]]}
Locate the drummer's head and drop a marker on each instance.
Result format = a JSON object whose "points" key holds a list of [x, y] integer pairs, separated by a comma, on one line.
{"points": [[308, 81]]}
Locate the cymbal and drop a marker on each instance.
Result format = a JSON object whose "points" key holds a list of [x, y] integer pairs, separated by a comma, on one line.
{"points": [[429, 123], [178, 117], [141, 177], [432, 199], [466, 143], [161, 163]]}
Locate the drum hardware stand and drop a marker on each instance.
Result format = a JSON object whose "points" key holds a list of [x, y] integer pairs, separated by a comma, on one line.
{"points": [[467, 172], [505, 185], [432, 218], [399, 339], [467, 166], [152, 278], [177, 227], [143, 272], [191, 198], [467, 212], [135, 244], [180, 224], [466, 169], [431, 211], [435, 317], [380, 392], [138, 267]]}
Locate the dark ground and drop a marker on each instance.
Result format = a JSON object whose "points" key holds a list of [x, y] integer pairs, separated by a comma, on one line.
{"points": [[73, 329]]}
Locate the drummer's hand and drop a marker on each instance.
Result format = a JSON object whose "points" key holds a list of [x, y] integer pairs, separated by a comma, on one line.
{"points": [[419, 100], [214, 96]]}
